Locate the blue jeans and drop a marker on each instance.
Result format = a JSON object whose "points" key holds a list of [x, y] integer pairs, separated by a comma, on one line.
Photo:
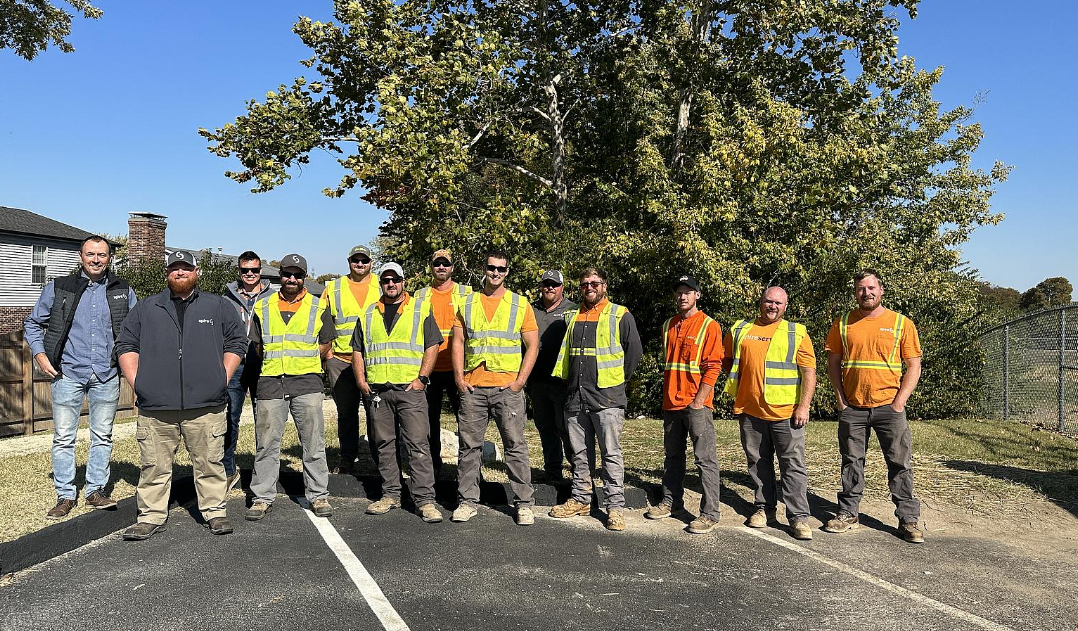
{"points": [[67, 396], [236, 393]]}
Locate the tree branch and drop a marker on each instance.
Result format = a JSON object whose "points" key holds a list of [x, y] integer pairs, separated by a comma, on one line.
{"points": [[519, 169]]}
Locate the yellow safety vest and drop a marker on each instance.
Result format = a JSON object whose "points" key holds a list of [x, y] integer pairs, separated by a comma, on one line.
{"points": [[292, 348], [456, 295], [497, 341], [394, 357], [893, 362], [782, 378], [608, 353], [694, 363], [346, 311]]}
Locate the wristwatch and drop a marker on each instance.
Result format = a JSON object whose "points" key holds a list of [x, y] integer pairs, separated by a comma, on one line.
{"points": [[425, 380]]}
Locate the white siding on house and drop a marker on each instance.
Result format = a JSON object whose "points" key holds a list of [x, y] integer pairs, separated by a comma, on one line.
{"points": [[16, 260]]}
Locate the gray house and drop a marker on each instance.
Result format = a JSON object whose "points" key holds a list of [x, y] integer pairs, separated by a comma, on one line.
{"points": [[33, 250]]}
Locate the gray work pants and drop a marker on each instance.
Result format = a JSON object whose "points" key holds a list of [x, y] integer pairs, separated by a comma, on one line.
{"points": [[269, 427], [699, 426], [408, 409], [765, 440], [606, 425], [548, 408], [508, 410], [893, 431]]}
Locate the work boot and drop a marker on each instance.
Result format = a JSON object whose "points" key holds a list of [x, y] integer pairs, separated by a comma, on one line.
{"points": [[142, 531], [257, 510], [430, 513], [219, 526], [383, 506], [62, 508], [525, 516], [615, 519], [233, 481], [345, 467], [571, 508], [98, 499], [799, 528], [842, 522], [761, 518], [910, 532], [321, 508], [702, 525], [662, 511], [463, 513]]}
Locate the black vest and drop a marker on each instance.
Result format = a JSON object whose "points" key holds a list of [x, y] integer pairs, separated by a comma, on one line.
{"points": [[68, 291]]}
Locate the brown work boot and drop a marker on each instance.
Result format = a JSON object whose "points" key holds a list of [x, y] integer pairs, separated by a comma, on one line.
{"points": [[430, 513], [702, 525], [257, 510], [525, 515], [62, 508], [842, 522], [571, 508], [98, 499], [383, 506], [219, 525], [615, 519], [232, 481], [761, 518], [663, 511], [799, 528], [321, 508], [910, 532], [142, 531]]}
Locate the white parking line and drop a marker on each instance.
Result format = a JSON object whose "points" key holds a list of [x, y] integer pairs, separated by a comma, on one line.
{"points": [[377, 601], [879, 582]]}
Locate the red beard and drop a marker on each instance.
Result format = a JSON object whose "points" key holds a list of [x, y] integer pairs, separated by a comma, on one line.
{"points": [[181, 286]]}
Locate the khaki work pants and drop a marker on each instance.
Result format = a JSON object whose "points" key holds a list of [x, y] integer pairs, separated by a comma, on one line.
{"points": [[158, 433]]}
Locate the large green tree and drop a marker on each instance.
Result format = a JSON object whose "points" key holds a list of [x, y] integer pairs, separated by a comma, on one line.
{"points": [[30, 26], [1050, 292], [748, 142]]}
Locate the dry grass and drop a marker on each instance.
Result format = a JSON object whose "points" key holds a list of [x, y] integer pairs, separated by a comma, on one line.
{"points": [[985, 467]]}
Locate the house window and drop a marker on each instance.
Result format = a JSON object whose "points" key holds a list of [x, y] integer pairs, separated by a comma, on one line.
{"points": [[38, 269]]}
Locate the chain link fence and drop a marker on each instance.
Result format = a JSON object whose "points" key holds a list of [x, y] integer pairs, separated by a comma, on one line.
{"points": [[1031, 369]]}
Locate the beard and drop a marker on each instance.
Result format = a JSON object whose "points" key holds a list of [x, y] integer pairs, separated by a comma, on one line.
{"points": [[182, 286]]}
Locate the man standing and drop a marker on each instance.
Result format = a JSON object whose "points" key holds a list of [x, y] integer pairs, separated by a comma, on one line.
{"points": [[292, 331], [394, 349], [692, 346], [866, 349], [243, 293], [490, 375], [772, 379], [71, 332], [178, 350], [347, 298], [598, 357], [445, 298], [548, 393]]}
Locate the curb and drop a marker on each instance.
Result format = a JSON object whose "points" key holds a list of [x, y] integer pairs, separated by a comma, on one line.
{"points": [[63, 537]]}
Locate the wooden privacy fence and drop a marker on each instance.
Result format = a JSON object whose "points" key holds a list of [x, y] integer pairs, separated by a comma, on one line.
{"points": [[25, 399]]}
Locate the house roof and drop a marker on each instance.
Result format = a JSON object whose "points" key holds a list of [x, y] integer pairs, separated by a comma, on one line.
{"points": [[19, 221]]}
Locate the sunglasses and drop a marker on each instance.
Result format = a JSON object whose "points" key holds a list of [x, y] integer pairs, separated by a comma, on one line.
{"points": [[595, 284], [441, 263], [250, 270], [497, 268], [296, 275], [392, 280], [359, 261], [551, 285]]}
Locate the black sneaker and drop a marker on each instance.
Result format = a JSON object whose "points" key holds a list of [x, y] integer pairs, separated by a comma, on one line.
{"points": [[98, 499]]}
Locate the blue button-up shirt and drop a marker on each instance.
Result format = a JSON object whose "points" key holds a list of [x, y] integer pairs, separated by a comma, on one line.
{"points": [[88, 350]]}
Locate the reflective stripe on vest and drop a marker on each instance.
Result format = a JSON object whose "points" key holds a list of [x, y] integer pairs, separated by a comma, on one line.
{"points": [[694, 363], [457, 296], [395, 356], [608, 353], [346, 310], [893, 361], [292, 348], [782, 377], [496, 342]]}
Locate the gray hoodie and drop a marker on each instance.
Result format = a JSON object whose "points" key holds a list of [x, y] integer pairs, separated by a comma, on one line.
{"points": [[243, 308]]}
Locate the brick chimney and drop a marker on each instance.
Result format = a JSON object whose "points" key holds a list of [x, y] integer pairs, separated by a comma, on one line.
{"points": [[146, 237]]}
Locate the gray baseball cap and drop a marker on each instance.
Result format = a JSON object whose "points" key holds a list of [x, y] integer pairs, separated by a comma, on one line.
{"points": [[390, 267], [180, 256], [294, 260], [553, 275]]}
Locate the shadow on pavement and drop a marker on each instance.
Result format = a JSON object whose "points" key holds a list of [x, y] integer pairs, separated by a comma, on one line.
{"points": [[1053, 484]]}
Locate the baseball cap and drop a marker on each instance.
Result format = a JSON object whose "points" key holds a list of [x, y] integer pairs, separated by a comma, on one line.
{"points": [[687, 280], [294, 260], [442, 254], [390, 267], [180, 256], [360, 249], [554, 275]]}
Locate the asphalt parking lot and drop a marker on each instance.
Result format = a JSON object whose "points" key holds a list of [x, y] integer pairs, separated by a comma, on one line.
{"points": [[356, 571]]}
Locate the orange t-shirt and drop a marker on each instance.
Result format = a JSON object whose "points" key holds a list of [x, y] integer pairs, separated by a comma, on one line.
{"points": [[360, 289], [680, 386], [441, 306], [750, 369], [480, 376], [285, 306], [873, 339]]}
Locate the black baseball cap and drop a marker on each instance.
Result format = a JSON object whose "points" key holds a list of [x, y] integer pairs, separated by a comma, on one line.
{"points": [[689, 281]]}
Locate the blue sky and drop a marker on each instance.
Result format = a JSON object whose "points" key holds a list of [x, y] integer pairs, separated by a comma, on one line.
{"points": [[87, 137]]}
